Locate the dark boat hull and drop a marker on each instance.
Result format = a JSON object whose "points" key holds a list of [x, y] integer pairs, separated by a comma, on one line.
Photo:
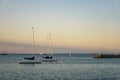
{"points": [[47, 57], [32, 58]]}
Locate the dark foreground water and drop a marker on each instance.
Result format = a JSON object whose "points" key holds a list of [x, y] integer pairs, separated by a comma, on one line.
{"points": [[75, 67]]}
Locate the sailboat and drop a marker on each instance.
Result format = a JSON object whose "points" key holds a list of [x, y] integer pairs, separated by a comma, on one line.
{"points": [[31, 60], [48, 57], [33, 57]]}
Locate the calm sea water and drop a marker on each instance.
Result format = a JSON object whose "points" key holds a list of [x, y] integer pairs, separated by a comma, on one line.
{"points": [[75, 67]]}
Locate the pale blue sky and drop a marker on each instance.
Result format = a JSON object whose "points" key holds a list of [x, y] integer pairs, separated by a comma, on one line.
{"points": [[86, 24]]}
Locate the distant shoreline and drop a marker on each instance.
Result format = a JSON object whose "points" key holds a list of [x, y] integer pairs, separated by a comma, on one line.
{"points": [[57, 53]]}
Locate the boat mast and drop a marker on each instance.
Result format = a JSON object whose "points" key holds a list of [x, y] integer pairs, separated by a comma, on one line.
{"points": [[33, 40], [49, 40], [50, 43]]}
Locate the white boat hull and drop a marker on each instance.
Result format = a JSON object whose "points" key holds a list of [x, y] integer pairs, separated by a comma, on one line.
{"points": [[30, 62], [37, 61], [48, 60]]}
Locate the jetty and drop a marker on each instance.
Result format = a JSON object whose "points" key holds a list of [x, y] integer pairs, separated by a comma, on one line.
{"points": [[107, 56]]}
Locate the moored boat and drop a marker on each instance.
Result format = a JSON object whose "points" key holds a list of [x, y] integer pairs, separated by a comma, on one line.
{"points": [[48, 57]]}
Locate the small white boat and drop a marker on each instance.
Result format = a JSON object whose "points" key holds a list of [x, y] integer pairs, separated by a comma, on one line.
{"points": [[48, 60], [30, 62]]}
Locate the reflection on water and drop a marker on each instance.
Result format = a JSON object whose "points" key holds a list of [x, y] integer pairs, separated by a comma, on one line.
{"points": [[78, 67]]}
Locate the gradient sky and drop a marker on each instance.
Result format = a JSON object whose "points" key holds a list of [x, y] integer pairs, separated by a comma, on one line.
{"points": [[78, 24]]}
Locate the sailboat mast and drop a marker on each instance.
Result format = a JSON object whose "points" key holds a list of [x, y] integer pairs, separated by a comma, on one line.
{"points": [[33, 39], [49, 40], [50, 43]]}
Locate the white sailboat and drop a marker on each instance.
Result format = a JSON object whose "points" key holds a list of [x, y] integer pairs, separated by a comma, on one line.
{"points": [[48, 57], [31, 60]]}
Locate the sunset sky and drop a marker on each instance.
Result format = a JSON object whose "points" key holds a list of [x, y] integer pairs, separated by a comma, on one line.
{"points": [[80, 25]]}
